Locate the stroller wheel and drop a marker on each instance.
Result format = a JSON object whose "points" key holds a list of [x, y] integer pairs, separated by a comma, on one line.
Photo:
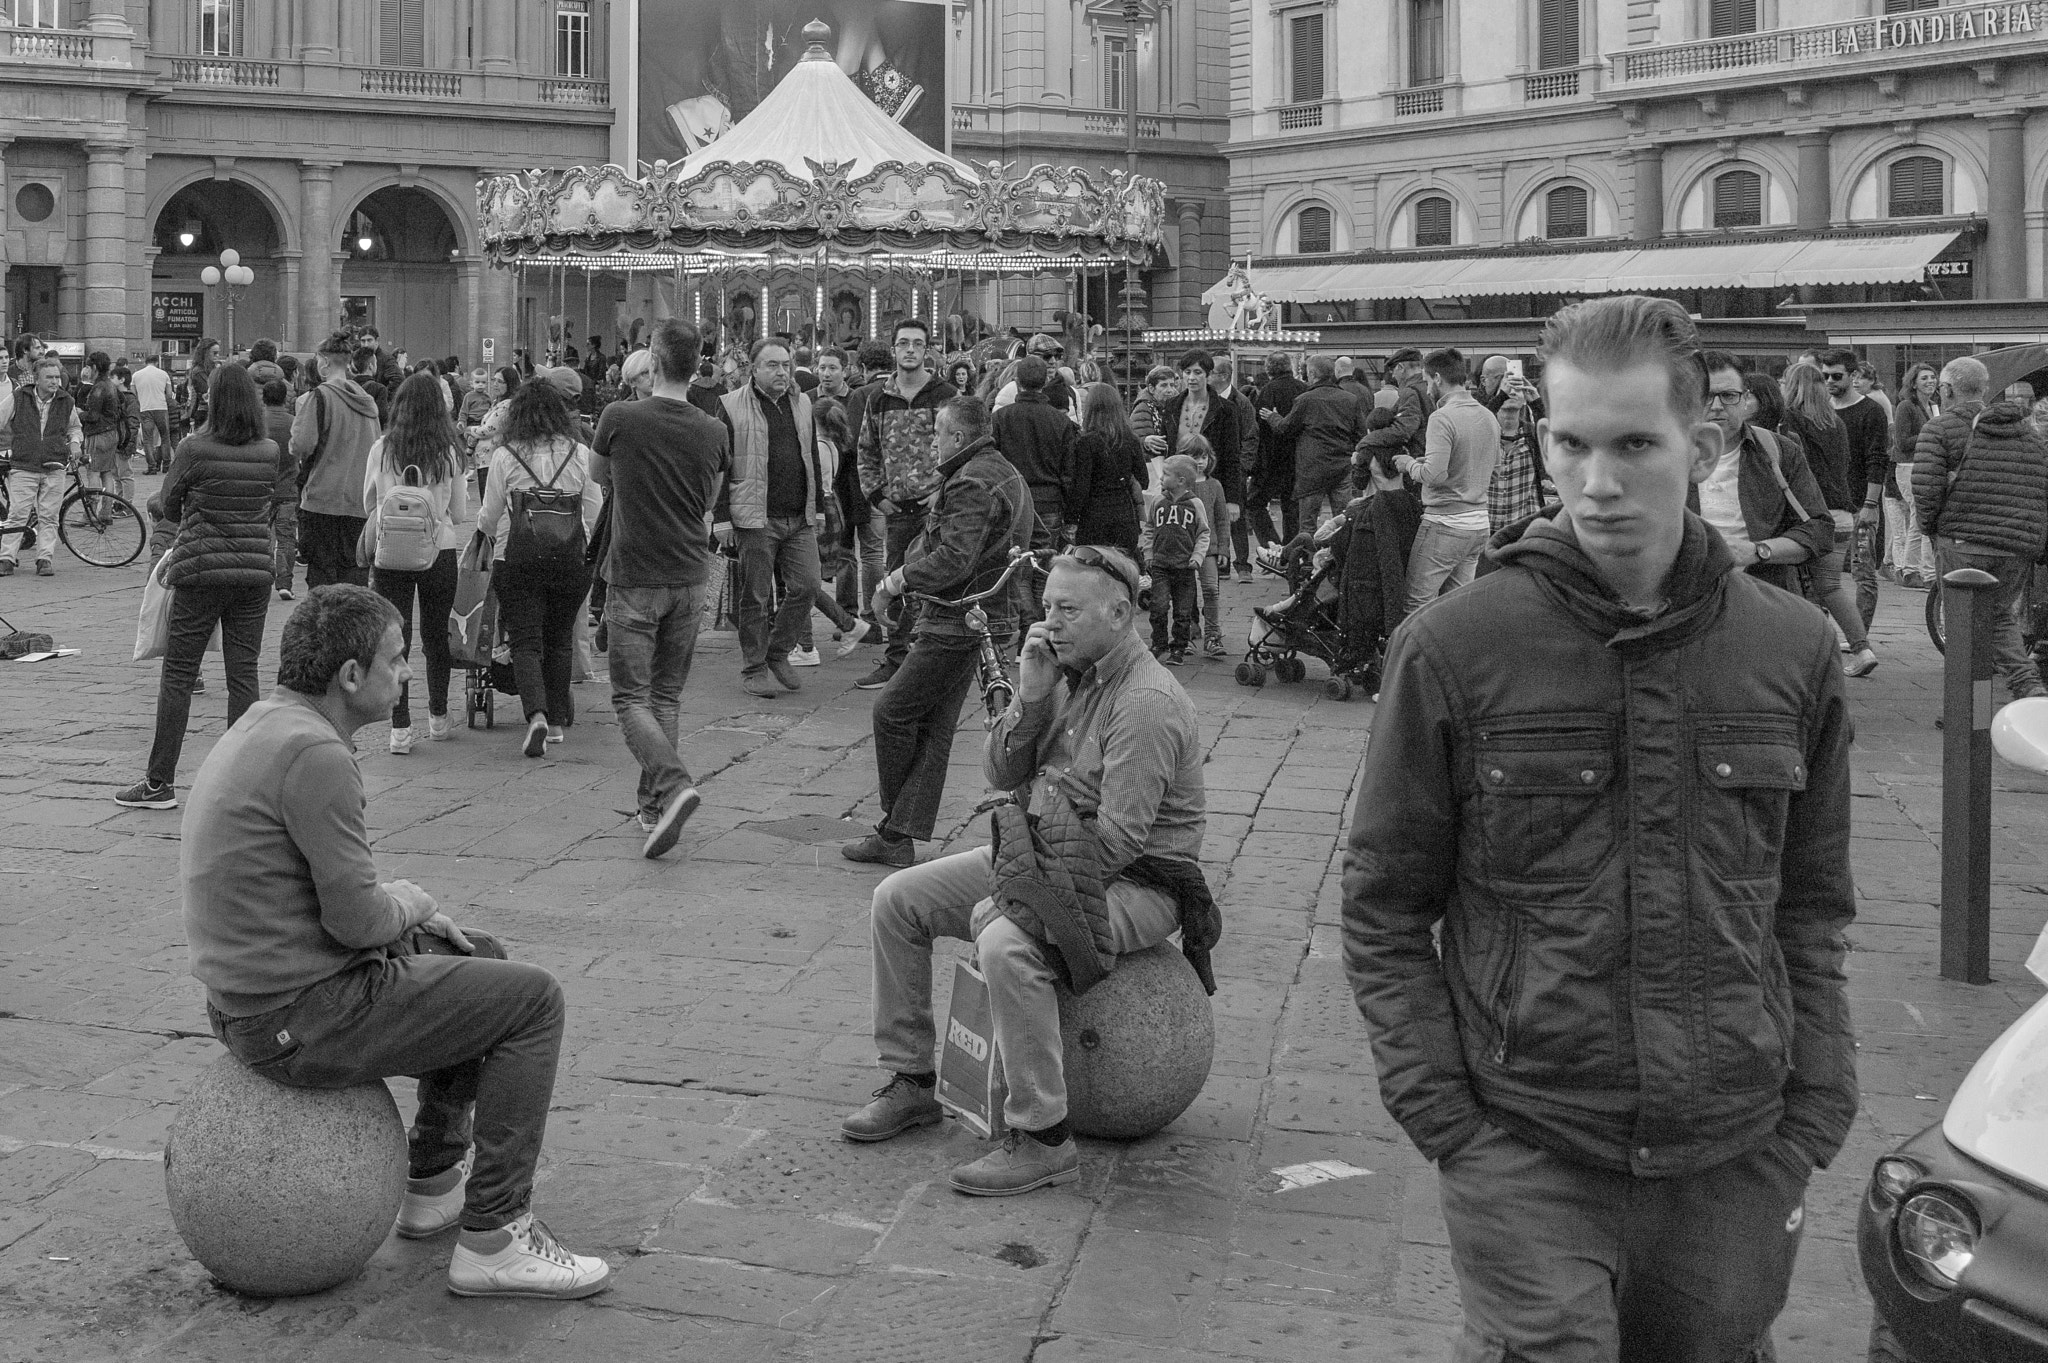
{"points": [[1290, 670], [1250, 674], [1338, 688]]}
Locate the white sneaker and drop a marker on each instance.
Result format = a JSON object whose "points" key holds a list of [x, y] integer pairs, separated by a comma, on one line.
{"points": [[861, 629], [401, 742], [424, 1214], [804, 657], [556, 734], [438, 728], [531, 1264]]}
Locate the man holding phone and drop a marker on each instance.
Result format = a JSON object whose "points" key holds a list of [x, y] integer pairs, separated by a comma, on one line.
{"points": [[1501, 381], [1098, 723]]}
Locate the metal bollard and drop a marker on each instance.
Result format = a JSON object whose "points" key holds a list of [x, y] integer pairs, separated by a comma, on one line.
{"points": [[1967, 621]]}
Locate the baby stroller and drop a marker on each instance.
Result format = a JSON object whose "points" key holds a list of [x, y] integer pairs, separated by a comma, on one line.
{"points": [[1311, 618], [477, 643]]}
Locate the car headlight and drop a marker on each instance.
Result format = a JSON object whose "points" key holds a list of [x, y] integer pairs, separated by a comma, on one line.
{"points": [[1938, 1234], [1893, 1176]]}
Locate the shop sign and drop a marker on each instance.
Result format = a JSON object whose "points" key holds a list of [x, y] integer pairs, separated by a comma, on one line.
{"points": [[176, 316], [1930, 28], [1948, 269]]}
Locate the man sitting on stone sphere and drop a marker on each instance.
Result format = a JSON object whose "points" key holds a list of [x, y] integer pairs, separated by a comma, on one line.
{"points": [[319, 976], [1100, 729]]}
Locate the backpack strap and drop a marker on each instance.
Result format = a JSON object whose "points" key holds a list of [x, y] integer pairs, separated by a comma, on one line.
{"points": [[1767, 441], [550, 483]]}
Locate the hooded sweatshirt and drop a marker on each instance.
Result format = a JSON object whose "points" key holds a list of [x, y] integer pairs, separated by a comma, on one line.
{"points": [[331, 471]]}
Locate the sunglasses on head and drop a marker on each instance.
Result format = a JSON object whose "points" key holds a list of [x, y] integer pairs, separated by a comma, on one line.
{"points": [[1088, 556]]}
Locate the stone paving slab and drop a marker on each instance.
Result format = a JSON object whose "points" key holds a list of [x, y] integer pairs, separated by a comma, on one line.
{"points": [[718, 1005]]}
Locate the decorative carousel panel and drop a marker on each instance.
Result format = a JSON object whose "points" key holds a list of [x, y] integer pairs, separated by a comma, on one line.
{"points": [[1058, 199], [599, 199], [900, 197], [745, 198]]}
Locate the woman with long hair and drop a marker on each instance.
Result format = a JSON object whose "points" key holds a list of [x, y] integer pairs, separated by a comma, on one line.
{"points": [[539, 604], [422, 446], [961, 372], [1909, 552], [1109, 462], [223, 481], [1810, 417], [199, 380]]}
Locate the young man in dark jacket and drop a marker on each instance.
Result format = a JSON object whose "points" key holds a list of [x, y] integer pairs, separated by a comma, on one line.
{"points": [[1980, 488], [1614, 776], [897, 460], [980, 513]]}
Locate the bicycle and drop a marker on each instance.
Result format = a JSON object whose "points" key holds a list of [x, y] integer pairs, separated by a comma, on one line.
{"points": [[99, 527], [2032, 607], [994, 674]]}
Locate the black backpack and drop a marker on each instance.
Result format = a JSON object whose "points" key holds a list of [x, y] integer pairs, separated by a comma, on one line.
{"points": [[546, 522]]}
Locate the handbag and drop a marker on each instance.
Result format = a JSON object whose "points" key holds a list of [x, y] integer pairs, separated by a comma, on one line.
{"points": [[153, 625], [473, 618], [16, 642]]}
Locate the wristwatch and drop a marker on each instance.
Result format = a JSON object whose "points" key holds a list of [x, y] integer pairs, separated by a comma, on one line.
{"points": [[1763, 551]]}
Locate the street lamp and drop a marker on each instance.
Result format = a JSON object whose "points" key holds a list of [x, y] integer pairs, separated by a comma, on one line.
{"points": [[236, 276]]}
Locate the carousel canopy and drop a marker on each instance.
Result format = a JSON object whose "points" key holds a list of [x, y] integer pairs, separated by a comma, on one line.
{"points": [[817, 169], [817, 115]]}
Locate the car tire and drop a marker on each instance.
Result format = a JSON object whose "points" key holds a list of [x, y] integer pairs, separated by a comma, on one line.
{"points": [[1884, 1345]]}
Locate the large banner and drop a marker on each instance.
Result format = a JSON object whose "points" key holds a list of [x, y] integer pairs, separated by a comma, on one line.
{"points": [[705, 64]]}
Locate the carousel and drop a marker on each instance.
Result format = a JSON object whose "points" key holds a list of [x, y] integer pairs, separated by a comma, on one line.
{"points": [[1243, 324], [820, 218]]}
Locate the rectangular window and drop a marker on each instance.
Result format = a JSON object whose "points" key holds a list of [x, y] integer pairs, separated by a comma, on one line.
{"points": [[1908, 6], [1557, 34], [1426, 42], [1116, 53], [1727, 18], [572, 38], [1305, 58], [38, 13], [220, 29], [402, 33]]}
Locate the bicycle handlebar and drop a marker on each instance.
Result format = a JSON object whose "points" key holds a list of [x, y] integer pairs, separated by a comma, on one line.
{"points": [[1018, 558]]}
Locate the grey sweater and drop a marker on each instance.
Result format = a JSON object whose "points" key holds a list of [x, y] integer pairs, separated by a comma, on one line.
{"points": [[1462, 447], [280, 890]]}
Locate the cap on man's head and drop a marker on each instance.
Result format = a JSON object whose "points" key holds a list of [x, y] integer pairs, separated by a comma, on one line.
{"points": [[566, 381], [1406, 355]]}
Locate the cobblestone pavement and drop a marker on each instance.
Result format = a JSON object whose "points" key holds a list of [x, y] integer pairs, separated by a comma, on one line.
{"points": [[718, 1031]]}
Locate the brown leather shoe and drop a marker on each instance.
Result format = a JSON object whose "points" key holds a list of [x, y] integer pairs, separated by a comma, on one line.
{"points": [[899, 1105]]}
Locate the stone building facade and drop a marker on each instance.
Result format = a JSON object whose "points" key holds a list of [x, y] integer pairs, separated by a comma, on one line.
{"points": [[1870, 170], [334, 145]]}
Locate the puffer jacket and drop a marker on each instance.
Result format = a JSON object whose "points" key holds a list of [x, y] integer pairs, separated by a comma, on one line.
{"points": [[1635, 835], [982, 511], [220, 498], [1999, 499]]}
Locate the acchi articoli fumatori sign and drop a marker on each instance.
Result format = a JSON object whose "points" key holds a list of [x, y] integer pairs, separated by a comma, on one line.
{"points": [[1927, 28]]}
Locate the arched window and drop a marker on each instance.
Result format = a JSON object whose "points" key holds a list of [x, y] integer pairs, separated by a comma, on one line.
{"points": [[1433, 221], [1738, 199], [1312, 229], [1914, 187], [1564, 212]]}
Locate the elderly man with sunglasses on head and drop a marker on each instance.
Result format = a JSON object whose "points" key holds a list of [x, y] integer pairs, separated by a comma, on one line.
{"points": [[1100, 727]]}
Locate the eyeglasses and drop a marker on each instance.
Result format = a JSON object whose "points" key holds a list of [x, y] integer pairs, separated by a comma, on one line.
{"points": [[1088, 556], [1834, 375], [1727, 399]]}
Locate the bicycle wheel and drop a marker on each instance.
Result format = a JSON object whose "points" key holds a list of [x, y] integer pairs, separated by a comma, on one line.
{"points": [[101, 528], [1934, 629]]}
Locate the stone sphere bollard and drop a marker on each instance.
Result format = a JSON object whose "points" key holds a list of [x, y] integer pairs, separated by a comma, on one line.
{"points": [[282, 1191], [1137, 1046]]}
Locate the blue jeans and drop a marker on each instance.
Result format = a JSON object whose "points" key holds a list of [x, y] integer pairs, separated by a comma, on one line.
{"points": [[785, 548], [428, 1012], [1442, 558], [2008, 642], [653, 637], [915, 717]]}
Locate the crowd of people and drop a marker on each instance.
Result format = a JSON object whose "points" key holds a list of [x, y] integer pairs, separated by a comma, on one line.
{"points": [[1605, 713]]}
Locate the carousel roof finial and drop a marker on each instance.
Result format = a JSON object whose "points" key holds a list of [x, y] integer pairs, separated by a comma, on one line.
{"points": [[817, 33]]}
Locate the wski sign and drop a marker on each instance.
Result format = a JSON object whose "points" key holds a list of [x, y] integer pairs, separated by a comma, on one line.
{"points": [[1930, 28]]}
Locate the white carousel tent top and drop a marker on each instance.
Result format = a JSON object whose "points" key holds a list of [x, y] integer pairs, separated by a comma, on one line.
{"points": [[816, 112]]}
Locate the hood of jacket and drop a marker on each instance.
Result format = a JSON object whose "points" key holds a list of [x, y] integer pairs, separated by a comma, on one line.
{"points": [[352, 396], [1547, 546]]}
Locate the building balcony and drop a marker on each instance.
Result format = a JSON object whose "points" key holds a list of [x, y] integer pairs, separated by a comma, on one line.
{"points": [[1011, 120], [261, 78], [1974, 35], [64, 47]]}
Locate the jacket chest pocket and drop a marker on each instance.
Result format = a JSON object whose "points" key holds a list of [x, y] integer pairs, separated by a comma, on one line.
{"points": [[1545, 797], [1745, 775]]}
